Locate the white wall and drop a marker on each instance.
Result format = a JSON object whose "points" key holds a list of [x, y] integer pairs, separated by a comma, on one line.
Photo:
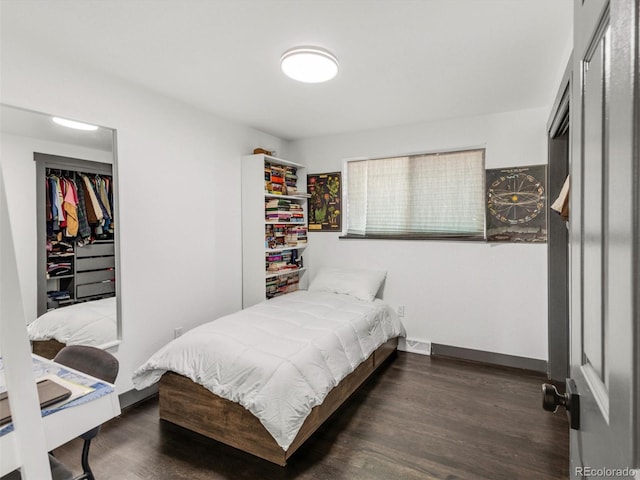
{"points": [[16, 157], [179, 186], [489, 297], [179, 193]]}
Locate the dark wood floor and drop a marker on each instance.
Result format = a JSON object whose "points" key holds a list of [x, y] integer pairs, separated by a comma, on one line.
{"points": [[420, 418]]}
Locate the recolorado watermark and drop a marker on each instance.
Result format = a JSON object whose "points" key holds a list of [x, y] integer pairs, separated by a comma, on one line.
{"points": [[586, 472]]}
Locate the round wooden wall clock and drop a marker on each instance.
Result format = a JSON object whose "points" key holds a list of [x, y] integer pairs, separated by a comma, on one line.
{"points": [[515, 198]]}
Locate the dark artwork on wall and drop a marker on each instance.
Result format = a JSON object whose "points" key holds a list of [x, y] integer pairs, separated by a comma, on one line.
{"points": [[517, 204], [325, 202]]}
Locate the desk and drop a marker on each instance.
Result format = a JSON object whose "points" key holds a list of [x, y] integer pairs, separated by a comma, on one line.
{"points": [[65, 423]]}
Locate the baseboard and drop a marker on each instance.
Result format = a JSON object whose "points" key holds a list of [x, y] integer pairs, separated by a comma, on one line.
{"points": [[501, 359], [134, 396]]}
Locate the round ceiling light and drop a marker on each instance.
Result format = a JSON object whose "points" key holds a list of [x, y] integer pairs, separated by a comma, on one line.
{"points": [[309, 64]]}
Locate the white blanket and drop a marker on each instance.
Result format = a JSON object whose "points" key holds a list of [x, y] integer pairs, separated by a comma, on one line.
{"points": [[279, 358], [87, 323]]}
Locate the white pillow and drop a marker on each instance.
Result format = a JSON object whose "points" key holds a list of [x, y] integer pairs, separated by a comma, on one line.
{"points": [[361, 284]]}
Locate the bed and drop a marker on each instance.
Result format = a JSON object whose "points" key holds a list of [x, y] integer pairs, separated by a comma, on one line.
{"points": [[265, 378], [87, 323]]}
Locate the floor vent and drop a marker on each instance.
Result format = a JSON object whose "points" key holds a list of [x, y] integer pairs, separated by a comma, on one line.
{"points": [[415, 346]]}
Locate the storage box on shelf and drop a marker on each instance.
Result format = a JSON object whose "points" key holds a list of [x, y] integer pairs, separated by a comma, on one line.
{"points": [[274, 203]]}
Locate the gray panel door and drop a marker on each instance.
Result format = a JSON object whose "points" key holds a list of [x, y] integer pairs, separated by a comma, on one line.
{"points": [[604, 238]]}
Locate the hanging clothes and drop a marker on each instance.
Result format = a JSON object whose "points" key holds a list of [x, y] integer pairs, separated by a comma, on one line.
{"points": [[102, 190], [49, 209], [95, 214], [70, 206], [84, 230], [79, 206], [59, 199], [47, 189], [561, 204], [96, 182]]}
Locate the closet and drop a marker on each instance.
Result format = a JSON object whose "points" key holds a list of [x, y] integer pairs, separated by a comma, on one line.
{"points": [[76, 226]]}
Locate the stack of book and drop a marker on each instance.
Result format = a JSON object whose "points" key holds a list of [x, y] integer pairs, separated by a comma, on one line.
{"points": [[274, 235], [296, 235], [281, 261], [280, 285], [297, 214], [279, 235], [274, 179], [280, 180], [291, 180], [282, 210]]}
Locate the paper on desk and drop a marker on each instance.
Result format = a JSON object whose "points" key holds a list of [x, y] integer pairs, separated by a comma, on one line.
{"points": [[77, 390]]}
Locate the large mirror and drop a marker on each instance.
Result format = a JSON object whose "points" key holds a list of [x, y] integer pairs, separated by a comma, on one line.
{"points": [[61, 186]]}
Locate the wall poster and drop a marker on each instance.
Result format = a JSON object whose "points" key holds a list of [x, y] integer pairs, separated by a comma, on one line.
{"points": [[325, 209], [517, 204]]}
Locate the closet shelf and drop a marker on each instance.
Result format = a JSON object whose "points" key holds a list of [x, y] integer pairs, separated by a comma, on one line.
{"points": [[55, 277]]}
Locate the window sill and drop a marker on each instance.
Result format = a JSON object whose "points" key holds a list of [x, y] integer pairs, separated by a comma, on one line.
{"points": [[453, 237]]}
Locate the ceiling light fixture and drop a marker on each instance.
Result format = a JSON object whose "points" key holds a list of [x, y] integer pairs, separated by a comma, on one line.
{"points": [[73, 124], [309, 64]]}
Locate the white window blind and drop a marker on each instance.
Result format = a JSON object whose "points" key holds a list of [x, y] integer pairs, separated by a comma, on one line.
{"points": [[436, 194]]}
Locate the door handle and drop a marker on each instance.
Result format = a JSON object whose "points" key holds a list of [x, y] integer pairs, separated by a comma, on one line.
{"points": [[552, 399]]}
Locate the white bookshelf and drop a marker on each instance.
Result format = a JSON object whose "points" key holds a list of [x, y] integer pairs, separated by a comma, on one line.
{"points": [[254, 247]]}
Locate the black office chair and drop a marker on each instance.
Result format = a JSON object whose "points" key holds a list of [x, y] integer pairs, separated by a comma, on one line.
{"points": [[97, 363]]}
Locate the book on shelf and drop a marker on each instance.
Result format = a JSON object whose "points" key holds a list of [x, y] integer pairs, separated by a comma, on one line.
{"points": [[276, 189], [279, 235], [276, 286], [285, 260], [278, 216], [278, 171], [291, 239], [285, 227], [280, 179], [277, 202]]}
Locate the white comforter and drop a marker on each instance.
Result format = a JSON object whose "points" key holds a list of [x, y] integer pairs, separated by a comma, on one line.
{"points": [[280, 358], [87, 323]]}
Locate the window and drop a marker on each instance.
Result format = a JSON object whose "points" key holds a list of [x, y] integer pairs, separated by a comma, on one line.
{"points": [[417, 196]]}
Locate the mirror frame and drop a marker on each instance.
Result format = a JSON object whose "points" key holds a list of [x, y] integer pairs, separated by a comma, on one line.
{"points": [[58, 161]]}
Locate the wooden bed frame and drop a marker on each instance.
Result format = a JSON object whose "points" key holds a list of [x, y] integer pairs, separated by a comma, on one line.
{"points": [[46, 348], [192, 406]]}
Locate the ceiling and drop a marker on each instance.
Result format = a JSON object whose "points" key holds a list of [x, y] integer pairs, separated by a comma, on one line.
{"points": [[401, 61]]}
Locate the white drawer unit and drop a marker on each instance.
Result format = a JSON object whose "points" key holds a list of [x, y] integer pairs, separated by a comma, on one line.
{"points": [[95, 271]]}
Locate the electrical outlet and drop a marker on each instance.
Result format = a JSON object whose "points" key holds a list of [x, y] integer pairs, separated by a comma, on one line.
{"points": [[177, 332], [401, 310]]}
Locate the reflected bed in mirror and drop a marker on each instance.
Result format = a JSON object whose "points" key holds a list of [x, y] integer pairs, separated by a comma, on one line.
{"points": [[87, 323], [62, 196]]}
